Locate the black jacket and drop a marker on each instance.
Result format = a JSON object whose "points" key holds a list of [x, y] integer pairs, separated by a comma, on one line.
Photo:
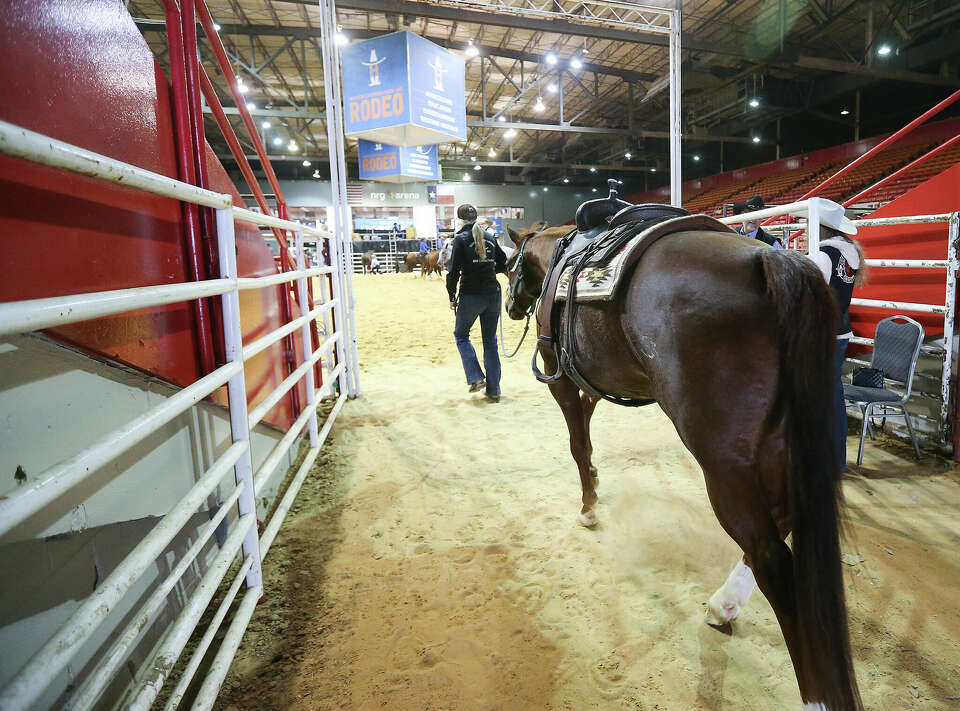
{"points": [[764, 236], [477, 276]]}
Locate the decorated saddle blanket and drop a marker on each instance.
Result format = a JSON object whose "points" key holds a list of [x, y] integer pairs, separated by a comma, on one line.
{"points": [[603, 271]]}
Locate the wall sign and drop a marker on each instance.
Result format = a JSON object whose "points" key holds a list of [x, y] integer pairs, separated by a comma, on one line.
{"points": [[403, 90]]}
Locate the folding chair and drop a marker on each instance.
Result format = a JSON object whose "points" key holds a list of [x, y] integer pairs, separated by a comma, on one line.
{"points": [[896, 347]]}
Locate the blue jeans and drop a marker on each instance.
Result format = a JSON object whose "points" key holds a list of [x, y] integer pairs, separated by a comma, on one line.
{"points": [[486, 307], [840, 405]]}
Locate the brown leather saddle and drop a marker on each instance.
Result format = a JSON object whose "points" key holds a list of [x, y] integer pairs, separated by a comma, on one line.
{"points": [[604, 228]]}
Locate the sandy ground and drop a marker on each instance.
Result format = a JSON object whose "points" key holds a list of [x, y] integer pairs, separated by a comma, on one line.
{"points": [[434, 560]]}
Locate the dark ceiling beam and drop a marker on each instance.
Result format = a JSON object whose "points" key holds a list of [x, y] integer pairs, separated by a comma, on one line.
{"points": [[298, 33], [875, 71]]}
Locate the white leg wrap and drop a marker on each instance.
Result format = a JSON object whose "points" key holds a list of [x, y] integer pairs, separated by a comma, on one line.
{"points": [[815, 707], [727, 602]]}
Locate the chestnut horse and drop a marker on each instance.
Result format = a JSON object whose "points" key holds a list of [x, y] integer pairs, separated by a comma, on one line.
{"points": [[735, 342], [431, 264]]}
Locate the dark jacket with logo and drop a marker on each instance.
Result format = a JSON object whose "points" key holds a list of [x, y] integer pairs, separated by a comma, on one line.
{"points": [[477, 276]]}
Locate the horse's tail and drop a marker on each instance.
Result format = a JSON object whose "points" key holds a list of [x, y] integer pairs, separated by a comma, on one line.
{"points": [[806, 323]]}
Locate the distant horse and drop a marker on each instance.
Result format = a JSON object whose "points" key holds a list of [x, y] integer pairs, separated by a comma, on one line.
{"points": [[366, 261], [431, 264], [411, 260], [735, 342], [446, 251]]}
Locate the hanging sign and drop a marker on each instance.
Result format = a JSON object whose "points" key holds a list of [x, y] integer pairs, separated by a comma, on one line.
{"points": [[403, 90], [395, 164]]}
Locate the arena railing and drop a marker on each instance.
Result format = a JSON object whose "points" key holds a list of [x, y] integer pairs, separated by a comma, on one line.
{"points": [[242, 540], [811, 209]]}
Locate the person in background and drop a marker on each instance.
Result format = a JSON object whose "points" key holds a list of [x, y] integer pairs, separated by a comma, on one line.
{"points": [[475, 260], [752, 228], [375, 267], [424, 247], [841, 262]]}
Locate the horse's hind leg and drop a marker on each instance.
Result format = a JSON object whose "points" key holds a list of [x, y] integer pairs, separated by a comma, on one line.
{"points": [[567, 396], [726, 603]]}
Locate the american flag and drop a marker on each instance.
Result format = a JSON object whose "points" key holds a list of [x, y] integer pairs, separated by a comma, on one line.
{"points": [[354, 193]]}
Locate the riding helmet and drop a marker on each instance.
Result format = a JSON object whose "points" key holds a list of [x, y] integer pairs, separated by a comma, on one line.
{"points": [[467, 213]]}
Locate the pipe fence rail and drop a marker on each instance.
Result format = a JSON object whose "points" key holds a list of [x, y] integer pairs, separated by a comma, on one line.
{"points": [[811, 208], [237, 512]]}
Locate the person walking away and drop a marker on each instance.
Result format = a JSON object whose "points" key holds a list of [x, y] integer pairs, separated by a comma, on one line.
{"points": [[752, 228], [841, 261], [474, 262]]}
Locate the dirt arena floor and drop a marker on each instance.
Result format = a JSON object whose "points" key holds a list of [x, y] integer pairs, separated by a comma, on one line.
{"points": [[434, 561]]}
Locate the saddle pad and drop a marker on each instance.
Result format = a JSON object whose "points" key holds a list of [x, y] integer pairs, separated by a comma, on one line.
{"points": [[599, 279]]}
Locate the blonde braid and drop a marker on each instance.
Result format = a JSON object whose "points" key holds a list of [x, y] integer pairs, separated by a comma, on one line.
{"points": [[479, 243]]}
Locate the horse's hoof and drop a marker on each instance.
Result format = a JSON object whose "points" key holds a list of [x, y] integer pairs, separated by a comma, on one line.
{"points": [[588, 519], [720, 613]]}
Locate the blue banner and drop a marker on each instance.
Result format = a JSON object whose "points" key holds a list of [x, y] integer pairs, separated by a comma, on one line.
{"points": [[403, 90], [378, 160], [381, 161], [437, 90], [375, 83]]}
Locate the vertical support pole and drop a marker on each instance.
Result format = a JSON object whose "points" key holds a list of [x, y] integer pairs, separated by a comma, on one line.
{"points": [[813, 226], [339, 319], [483, 88], [305, 331], [949, 323], [338, 186], [236, 386], [675, 177]]}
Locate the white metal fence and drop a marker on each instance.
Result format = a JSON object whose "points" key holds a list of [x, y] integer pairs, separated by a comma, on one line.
{"points": [[242, 536], [811, 209]]}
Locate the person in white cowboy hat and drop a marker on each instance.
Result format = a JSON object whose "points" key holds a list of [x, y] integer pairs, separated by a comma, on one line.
{"points": [[841, 261]]}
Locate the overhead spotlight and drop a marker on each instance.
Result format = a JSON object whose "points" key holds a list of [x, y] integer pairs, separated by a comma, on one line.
{"points": [[884, 50], [492, 153], [473, 158], [552, 88], [316, 174], [341, 39], [844, 112], [619, 182], [243, 88], [566, 180], [538, 107], [293, 147], [477, 167], [754, 103], [251, 106], [545, 188], [466, 177], [593, 190], [592, 169], [653, 170], [266, 124], [551, 59], [471, 50], [306, 164], [501, 118], [216, 26], [575, 63], [756, 139], [278, 141], [509, 133], [696, 157], [628, 155]]}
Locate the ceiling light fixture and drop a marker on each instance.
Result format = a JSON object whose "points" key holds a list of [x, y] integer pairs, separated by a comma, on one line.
{"points": [[339, 37], [492, 153], [754, 103], [473, 158], [471, 50], [592, 169], [293, 147], [628, 155], [884, 50], [509, 133], [538, 106], [552, 88], [501, 118], [696, 157], [844, 112], [575, 63], [566, 180], [316, 174], [551, 59], [216, 26], [477, 167], [593, 190], [266, 124], [306, 164], [466, 177], [251, 106], [278, 141], [756, 139], [653, 170]]}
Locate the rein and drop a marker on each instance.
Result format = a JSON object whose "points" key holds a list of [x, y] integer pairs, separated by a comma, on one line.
{"points": [[515, 286]]}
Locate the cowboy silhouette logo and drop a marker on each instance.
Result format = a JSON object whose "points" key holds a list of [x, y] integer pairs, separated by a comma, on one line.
{"points": [[438, 71], [374, 65]]}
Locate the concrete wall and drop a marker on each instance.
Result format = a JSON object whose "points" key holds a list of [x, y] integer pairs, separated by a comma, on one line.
{"points": [[53, 403]]}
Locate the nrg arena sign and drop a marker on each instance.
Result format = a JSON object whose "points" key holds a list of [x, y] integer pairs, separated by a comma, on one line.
{"points": [[402, 90], [396, 164]]}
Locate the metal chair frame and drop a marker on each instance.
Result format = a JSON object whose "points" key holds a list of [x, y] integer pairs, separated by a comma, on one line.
{"points": [[867, 408]]}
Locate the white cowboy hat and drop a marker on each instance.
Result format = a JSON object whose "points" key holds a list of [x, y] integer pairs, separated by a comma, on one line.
{"points": [[832, 215]]}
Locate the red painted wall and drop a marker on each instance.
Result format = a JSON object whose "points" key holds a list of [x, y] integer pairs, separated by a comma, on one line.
{"points": [[81, 72], [937, 195]]}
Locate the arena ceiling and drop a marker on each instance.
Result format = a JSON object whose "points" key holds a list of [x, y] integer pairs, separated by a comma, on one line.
{"points": [[789, 57]]}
